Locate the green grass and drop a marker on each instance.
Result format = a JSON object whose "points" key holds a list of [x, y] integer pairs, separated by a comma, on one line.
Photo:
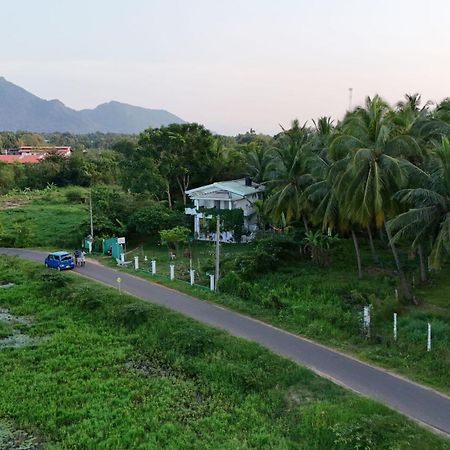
{"points": [[42, 219], [325, 304], [115, 372]]}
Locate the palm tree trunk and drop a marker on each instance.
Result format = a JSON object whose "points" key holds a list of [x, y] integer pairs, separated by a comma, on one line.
{"points": [[305, 224], [376, 260], [404, 285], [423, 265], [358, 256]]}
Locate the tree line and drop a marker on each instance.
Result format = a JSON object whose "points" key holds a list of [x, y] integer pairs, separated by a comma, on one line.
{"points": [[382, 170]]}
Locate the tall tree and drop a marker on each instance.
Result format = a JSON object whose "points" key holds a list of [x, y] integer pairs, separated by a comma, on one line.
{"points": [[289, 175], [428, 216], [183, 154], [377, 169]]}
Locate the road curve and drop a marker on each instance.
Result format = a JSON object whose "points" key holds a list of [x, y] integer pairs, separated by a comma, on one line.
{"points": [[416, 401]]}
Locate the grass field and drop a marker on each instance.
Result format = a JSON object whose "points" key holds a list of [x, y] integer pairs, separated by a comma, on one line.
{"points": [[107, 371], [42, 219]]}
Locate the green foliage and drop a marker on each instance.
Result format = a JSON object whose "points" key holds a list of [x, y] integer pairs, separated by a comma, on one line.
{"points": [[76, 195], [264, 255], [133, 314], [43, 219], [53, 279], [319, 246], [171, 383], [174, 236], [153, 218]]}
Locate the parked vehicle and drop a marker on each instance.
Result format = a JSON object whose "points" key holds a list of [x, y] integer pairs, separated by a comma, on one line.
{"points": [[60, 261]]}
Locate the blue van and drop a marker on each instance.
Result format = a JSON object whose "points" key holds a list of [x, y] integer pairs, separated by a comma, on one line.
{"points": [[60, 261]]}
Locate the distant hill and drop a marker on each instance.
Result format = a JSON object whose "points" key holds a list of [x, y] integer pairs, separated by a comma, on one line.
{"points": [[21, 110]]}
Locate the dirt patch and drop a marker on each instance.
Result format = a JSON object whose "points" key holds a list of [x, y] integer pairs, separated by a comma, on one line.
{"points": [[17, 338], [14, 439], [13, 203], [6, 316]]}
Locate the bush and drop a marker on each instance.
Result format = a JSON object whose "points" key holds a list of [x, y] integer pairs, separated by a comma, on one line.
{"points": [[266, 255], [151, 219], [76, 196], [53, 279], [133, 314]]}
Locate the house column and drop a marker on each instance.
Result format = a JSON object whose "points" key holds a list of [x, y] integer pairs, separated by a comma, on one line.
{"points": [[196, 225]]}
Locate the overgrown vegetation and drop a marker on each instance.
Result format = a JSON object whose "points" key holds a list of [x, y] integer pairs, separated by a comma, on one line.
{"points": [[114, 372]]}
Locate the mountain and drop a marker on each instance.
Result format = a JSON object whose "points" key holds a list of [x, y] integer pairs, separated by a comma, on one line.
{"points": [[123, 118], [21, 110]]}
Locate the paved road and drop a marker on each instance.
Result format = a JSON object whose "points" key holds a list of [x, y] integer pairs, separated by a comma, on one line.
{"points": [[411, 399]]}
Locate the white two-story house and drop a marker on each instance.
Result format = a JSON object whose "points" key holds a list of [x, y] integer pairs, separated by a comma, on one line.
{"points": [[232, 194]]}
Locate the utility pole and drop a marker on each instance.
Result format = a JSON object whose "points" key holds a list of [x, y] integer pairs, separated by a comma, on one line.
{"points": [[91, 216], [350, 95], [217, 253]]}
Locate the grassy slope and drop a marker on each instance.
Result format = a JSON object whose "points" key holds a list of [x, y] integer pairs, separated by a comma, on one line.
{"points": [[203, 389]]}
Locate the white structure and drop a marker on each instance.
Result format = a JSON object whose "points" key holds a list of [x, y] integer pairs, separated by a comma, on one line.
{"points": [[233, 194]]}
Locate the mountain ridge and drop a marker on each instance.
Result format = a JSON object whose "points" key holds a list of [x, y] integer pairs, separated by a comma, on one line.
{"points": [[23, 110]]}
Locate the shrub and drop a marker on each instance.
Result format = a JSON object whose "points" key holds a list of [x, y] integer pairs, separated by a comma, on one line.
{"points": [[265, 255], [76, 196], [133, 314], [53, 279], [154, 218]]}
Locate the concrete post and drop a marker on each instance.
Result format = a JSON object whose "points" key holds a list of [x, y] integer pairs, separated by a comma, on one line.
{"points": [[136, 263], [153, 267], [429, 337], [395, 326], [212, 285], [192, 274], [366, 320], [172, 272]]}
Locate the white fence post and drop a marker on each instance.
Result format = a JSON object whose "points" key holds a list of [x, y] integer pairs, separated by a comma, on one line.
{"points": [[192, 274], [366, 320], [172, 271], [145, 258], [153, 267], [211, 283], [136, 263], [429, 337], [395, 326]]}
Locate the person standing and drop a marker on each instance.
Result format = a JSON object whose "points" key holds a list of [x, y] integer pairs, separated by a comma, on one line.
{"points": [[77, 255], [83, 258]]}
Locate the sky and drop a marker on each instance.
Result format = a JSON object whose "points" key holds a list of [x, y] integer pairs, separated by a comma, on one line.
{"points": [[228, 64]]}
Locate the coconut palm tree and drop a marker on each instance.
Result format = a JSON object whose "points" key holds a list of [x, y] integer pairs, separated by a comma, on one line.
{"points": [[377, 169], [428, 216], [289, 175], [258, 162]]}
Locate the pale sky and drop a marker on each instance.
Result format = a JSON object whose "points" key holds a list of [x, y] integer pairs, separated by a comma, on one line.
{"points": [[228, 64]]}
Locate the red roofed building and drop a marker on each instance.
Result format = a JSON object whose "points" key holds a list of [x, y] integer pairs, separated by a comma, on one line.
{"points": [[33, 159], [29, 150], [28, 154]]}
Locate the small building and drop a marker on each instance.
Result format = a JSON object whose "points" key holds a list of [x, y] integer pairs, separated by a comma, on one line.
{"points": [[234, 194], [28, 154], [30, 159]]}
